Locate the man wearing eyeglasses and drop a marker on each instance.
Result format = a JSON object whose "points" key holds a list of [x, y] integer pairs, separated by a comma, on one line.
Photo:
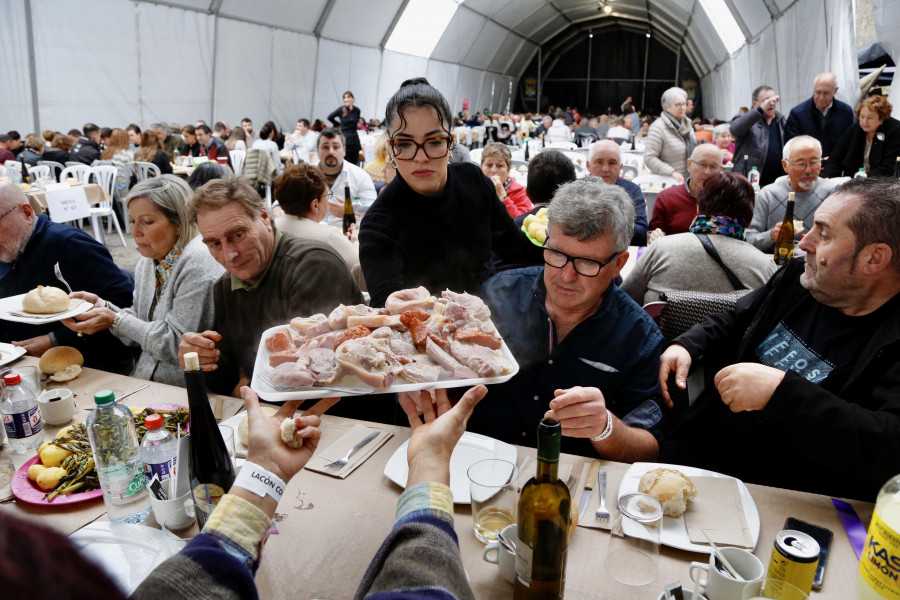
{"points": [[332, 151], [802, 162], [676, 207], [823, 116], [586, 352], [30, 245]]}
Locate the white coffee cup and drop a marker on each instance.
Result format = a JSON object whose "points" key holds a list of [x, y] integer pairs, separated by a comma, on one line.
{"points": [[57, 406], [718, 583], [495, 552], [162, 509]]}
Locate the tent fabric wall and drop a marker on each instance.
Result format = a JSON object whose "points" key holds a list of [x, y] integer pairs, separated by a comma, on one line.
{"points": [[887, 26], [15, 99], [787, 54], [244, 57]]}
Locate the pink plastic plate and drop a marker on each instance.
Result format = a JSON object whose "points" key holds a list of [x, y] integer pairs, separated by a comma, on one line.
{"points": [[29, 493]]}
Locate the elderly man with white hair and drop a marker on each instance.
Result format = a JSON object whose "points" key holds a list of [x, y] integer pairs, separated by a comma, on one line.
{"points": [[802, 161], [823, 116], [670, 140], [605, 161]]}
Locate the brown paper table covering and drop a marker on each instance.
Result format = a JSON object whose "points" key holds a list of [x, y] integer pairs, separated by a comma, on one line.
{"points": [[95, 195], [331, 527]]}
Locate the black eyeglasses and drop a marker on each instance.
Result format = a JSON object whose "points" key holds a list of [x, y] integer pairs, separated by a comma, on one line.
{"points": [[9, 211], [583, 266], [406, 149]]}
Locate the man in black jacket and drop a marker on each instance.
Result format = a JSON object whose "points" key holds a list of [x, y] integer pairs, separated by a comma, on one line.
{"points": [[823, 116], [808, 395], [87, 149]]}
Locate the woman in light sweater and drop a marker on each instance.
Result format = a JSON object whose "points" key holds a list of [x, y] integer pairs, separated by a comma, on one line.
{"points": [[173, 287], [302, 192], [681, 262], [670, 139]]}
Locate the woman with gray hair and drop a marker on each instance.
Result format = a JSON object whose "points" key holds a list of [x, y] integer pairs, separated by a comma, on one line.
{"points": [[725, 141], [670, 140], [173, 282]]}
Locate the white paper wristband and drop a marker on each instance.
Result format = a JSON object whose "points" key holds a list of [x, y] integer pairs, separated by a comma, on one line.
{"points": [[606, 432], [259, 481]]}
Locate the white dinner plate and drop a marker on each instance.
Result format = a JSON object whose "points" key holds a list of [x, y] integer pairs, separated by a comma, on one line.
{"points": [[674, 532], [9, 353], [13, 304], [471, 448], [269, 394]]}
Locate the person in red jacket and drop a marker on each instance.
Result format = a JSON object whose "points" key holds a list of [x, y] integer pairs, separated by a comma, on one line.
{"points": [[496, 161]]}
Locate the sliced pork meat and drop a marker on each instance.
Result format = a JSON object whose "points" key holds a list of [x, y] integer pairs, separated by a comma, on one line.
{"points": [[328, 340], [310, 327], [338, 317], [322, 363], [280, 340], [410, 299], [484, 361], [292, 355], [442, 358], [420, 372], [369, 359], [292, 375], [374, 321]]}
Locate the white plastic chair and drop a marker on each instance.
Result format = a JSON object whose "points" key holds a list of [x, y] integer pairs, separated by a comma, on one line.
{"points": [[78, 171], [39, 172], [105, 177], [237, 160], [475, 155], [2, 170], [55, 168], [144, 170], [563, 145]]}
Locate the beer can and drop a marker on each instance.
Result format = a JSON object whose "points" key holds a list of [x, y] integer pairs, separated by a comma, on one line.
{"points": [[794, 559]]}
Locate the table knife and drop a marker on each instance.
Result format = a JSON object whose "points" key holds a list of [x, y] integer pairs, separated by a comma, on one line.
{"points": [[588, 486]]}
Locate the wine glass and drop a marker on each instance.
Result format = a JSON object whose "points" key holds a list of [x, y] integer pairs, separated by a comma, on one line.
{"points": [[633, 554]]}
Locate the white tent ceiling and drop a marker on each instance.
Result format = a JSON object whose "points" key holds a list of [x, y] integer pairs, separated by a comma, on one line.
{"points": [[183, 59]]}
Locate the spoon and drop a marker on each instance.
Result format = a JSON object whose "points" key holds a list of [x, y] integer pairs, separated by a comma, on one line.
{"points": [[508, 544], [134, 391]]}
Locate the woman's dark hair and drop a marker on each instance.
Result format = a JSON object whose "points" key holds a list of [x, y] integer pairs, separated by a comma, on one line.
{"points": [[416, 93], [298, 186], [189, 129], [727, 194], [207, 172], [265, 132]]}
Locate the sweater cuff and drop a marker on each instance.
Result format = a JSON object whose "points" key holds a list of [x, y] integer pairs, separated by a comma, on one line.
{"points": [[435, 499], [240, 523]]}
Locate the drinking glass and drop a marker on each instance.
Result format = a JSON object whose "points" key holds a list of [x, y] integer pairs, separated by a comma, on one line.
{"points": [[633, 554], [228, 437], [492, 486], [773, 588], [29, 376]]}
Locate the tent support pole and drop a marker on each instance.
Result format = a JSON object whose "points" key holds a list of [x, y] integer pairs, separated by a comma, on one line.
{"points": [[677, 66], [644, 84], [540, 59], [587, 91], [212, 99], [32, 69]]}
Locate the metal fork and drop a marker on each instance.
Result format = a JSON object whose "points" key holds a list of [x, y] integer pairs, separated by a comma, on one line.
{"points": [[62, 279], [342, 462], [264, 377], [602, 513]]}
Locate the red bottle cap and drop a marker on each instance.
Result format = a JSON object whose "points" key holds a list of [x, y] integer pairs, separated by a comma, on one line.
{"points": [[12, 379], [153, 421]]}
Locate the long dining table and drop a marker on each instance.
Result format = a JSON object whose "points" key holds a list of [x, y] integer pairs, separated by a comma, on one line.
{"points": [[330, 528]]}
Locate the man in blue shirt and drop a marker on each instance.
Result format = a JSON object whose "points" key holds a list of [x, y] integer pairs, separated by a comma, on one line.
{"points": [[587, 353], [605, 161]]}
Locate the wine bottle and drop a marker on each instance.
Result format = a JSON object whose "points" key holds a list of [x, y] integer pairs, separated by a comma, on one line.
{"points": [[544, 518], [211, 470], [784, 245], [527, 157], [349, 215], [897, 168], [746, 166]]}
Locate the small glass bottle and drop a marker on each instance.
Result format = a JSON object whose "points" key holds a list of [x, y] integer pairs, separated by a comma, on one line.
{"points": [[878, 565]]}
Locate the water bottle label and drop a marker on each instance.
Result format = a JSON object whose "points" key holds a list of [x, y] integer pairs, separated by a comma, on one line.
{"points": [[162, 470], [24, 424], [136, 485]]}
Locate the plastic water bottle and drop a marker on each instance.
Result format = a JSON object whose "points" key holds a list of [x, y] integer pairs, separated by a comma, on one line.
{"points": [[754, 178], [861, 174], [158, 450], [117, 458], [21, 415]]}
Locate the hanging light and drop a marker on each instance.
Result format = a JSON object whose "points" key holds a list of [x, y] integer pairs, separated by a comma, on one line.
{"points": [[590, 34], [607, 8], [648, 34]]}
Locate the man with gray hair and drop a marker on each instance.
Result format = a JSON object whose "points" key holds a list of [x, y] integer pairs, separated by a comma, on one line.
{"points": [[823, 116], [759, 135], [605, 161], [802, 161], [167, 140], [593, 368]]}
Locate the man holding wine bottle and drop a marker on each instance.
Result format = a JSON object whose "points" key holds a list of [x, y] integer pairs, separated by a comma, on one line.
{"points": [[802, 162], [593, 368], [272, 277], [811, 375], [332, 151]]}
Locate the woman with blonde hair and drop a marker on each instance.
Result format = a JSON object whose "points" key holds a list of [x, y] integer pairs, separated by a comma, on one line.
{"points": [[151, 151], [375, 168], [118, 152]]}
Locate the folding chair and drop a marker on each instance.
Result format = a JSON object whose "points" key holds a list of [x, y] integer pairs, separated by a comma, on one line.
{"points": [[55, 168], [105, 177], [77, 171]]}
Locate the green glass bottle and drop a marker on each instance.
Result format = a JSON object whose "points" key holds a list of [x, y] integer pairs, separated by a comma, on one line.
{"points": [[544, 518]]}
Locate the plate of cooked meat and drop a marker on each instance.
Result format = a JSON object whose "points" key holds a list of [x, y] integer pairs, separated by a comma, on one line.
{"points": [[417, 341]]}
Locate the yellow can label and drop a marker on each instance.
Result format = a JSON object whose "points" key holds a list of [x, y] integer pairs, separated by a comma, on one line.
{"points": [[880, 563]]}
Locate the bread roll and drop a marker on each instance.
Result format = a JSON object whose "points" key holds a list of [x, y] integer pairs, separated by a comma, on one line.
{"points": [[244, 425], [60, 358], [67, 374], [671, 487], [44, 300], [289, 433]]}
